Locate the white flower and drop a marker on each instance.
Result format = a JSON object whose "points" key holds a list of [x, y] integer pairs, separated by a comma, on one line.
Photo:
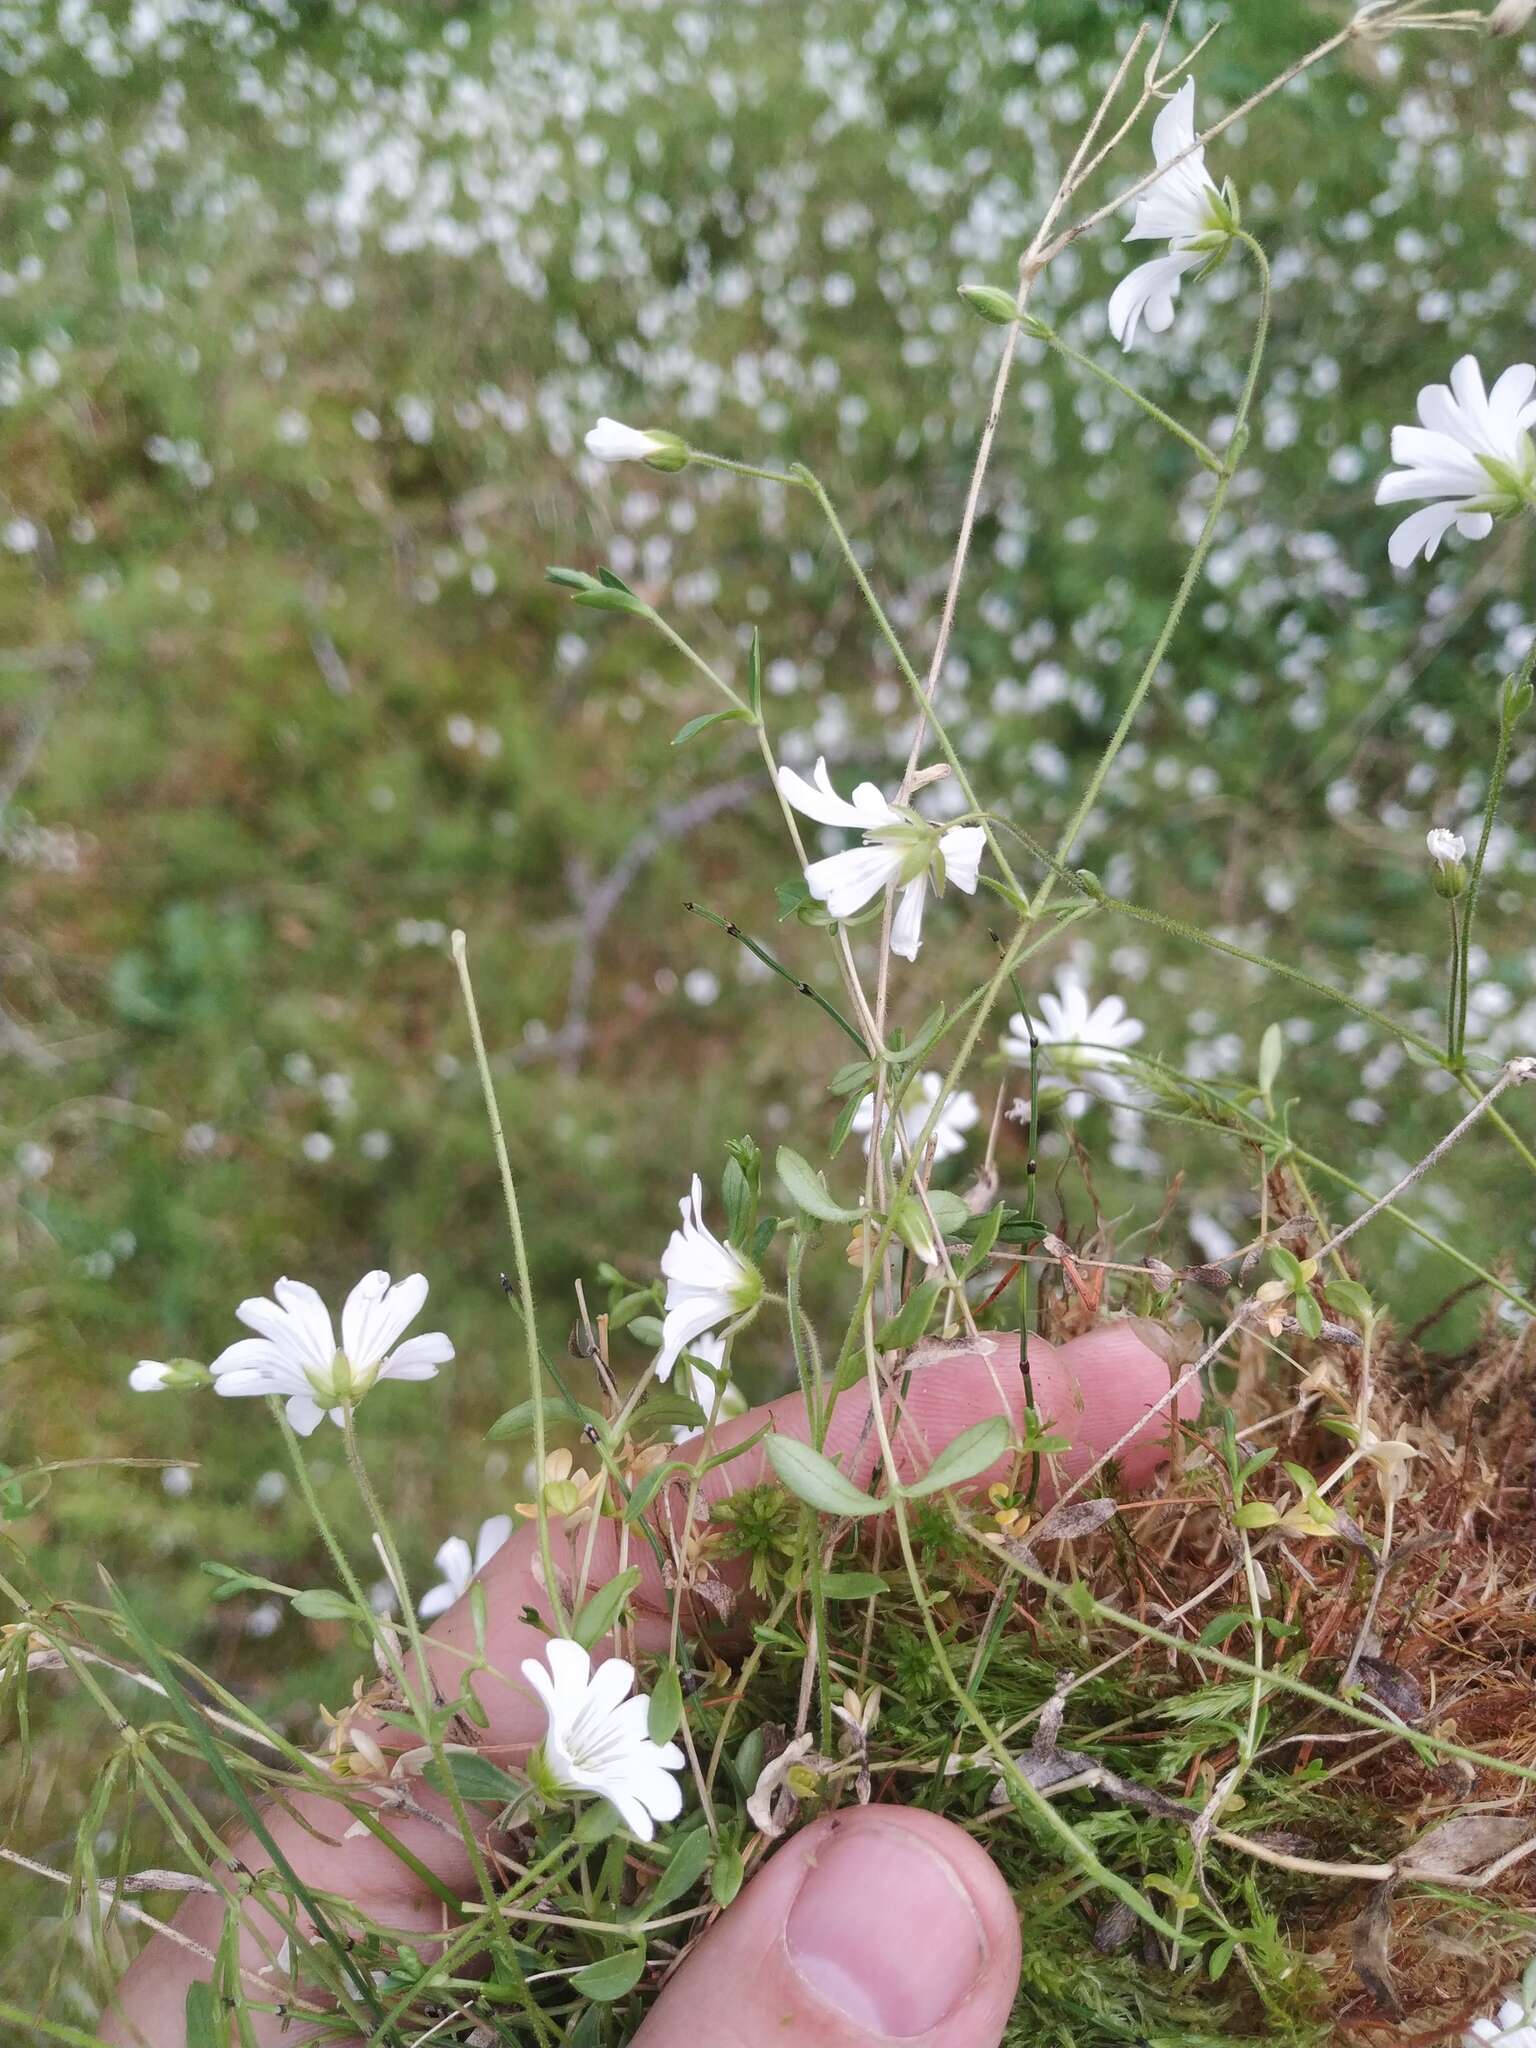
{"points": [[149, 1376], [1471, 455], [597, 1739], [708, 1283], [1512, 2027], [1445, 848], [295, 1352], [1085, 1041], [459, 1565], [959, 1115], [704, 1390], [1184, 208], [611, 441], [899, 846]]}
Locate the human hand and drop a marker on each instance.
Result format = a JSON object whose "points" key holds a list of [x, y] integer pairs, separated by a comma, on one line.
{"points": [[871, 1924]]}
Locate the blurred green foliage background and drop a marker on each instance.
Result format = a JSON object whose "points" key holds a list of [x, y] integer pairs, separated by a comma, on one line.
{"points": [[303, 313]]}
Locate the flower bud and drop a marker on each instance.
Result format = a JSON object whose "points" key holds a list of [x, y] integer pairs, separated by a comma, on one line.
{"points": [[612, 441], [1448, 851], [909, 1220], [991, 303]]}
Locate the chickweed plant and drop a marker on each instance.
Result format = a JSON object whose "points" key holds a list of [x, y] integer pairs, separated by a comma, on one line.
{"points": [[1226, 1702]]}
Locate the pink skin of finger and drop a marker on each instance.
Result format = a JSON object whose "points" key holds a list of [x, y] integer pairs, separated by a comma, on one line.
{"points": [[1093, 1390], [884, 1923]]}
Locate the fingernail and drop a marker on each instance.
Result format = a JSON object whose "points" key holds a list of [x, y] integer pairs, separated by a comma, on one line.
{"points": [[884, 1931]]}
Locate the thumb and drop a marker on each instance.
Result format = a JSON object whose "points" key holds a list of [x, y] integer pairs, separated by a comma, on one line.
{"points": [[881, 1924]]}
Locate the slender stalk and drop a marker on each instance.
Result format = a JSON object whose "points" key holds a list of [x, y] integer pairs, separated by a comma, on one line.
{"points": [[909, 673], [520, 1259], [1026, 1797], [1192, 573], [1507, 717], [1201, 450]]}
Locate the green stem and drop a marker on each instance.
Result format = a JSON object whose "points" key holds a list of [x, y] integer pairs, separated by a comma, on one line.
{"points": [[669, 633], [1193, 571], [520, 1259], [913, 681], [427, 1718], [1474, 882], [1026, 1797], [734, 931], [1453, 1008], [1206, 455], [767, 476], [1177, 928]]}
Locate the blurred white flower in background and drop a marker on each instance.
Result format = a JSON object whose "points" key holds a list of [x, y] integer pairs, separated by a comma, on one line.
{"points": [[708, 1283], [597, 1737], [459, 1564], [1471, 455], [959, 1114], [899, 846], [1185, 208], [295, 1354], [1084, 1042]]}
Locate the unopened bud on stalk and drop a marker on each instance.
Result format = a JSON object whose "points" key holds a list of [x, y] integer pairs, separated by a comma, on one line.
{"points": [[611, 441], [992, 304], [1517, 694], [1090, 884], [1448, 851]]}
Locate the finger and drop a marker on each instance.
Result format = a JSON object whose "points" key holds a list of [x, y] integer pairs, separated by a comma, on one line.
{"points": [[1093, 1390], [882, 1924]]}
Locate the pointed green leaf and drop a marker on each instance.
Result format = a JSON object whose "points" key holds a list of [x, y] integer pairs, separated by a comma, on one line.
{"points": [[603, 600], [474, 1777], [1271, 1049], [206, 2026], [808, 1191], [666, 1715], [725, 1879], [853, 1585], [689, 1861], [320, 1604], [972, 1451], [927, 1032], [911, 1319], [813, 1478], [612, 1978], [602, 1611], [730, 715]]}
